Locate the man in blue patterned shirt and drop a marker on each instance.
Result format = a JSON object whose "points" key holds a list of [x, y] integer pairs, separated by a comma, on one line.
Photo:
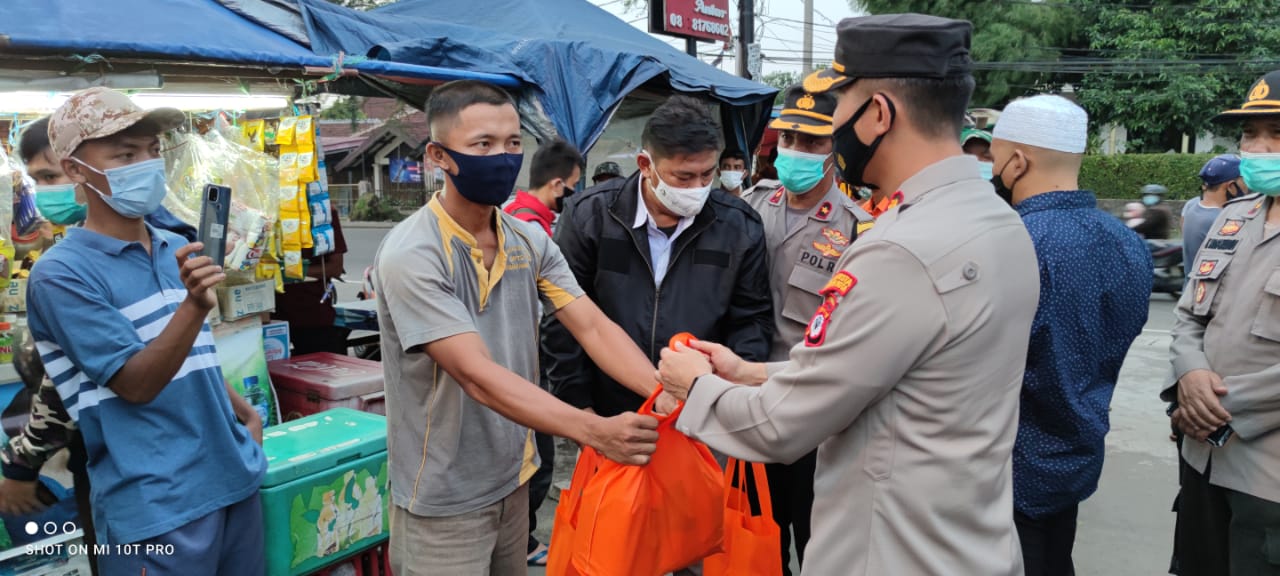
{"points": [[1095, 283]]}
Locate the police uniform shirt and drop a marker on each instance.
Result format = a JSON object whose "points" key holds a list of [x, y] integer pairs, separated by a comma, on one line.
{"points": [[802, 257], [908, 381], [1229, 323]]}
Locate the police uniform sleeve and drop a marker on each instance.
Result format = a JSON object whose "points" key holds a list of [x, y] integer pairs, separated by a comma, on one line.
{"points": [[1186, 352], [1187, 349], [879, 328], [1253, 402]]}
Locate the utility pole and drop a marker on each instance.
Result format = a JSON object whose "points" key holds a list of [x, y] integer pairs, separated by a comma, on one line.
{"points": [[691, 47], [746, 35], [808, 37]]}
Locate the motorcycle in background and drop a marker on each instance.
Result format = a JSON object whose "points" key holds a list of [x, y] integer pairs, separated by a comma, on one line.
{"points": [[1168, 276]]}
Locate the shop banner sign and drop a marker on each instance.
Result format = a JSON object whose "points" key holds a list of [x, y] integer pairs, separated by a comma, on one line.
{"points": [[697, 19]]}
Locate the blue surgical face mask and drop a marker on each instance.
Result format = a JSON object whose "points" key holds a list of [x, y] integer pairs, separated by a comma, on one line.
{"points": [[985, 169], [136, 190], [1261, 172], [57, 203], [800, 172], [1150, 200], [486, 180]]}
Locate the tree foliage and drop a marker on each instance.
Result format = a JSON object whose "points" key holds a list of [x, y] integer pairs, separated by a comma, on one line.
{"points": [[1170, 67], [1123, 175], [347, 108], [781, 80], [1004, 31]]}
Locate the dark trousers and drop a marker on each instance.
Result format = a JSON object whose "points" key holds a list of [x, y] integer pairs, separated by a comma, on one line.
{"points": [[540, 483], [791, 489], [77, 464], [1221, 532], [1047, 542]]}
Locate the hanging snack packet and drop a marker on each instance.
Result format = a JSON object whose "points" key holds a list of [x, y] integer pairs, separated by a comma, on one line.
{"points": [[253, 134], [324, 239], [269, 129], [321, 212], [284, 133], [293, 269], [289, 169], [306, 167], [304, 221], [290, 231], [289, 199], [304, 135]]}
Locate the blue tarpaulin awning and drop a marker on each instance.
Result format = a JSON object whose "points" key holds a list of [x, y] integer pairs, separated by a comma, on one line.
{"points": [[581, 60], [577, 61], [202, 31]]}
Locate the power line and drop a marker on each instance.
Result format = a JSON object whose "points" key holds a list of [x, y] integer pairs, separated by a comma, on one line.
{"points": [[800, 22]]}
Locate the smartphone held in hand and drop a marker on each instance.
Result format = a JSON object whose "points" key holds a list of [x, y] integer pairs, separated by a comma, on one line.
{"points": [[215, 209]]}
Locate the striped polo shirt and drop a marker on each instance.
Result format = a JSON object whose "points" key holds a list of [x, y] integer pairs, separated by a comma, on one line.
{"points": [[95, 301]]}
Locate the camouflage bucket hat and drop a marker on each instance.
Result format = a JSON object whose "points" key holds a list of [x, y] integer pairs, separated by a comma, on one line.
{"points": [[99, 113]]}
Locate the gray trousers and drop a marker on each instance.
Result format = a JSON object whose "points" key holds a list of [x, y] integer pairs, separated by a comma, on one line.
{"points": [[488, 542]]}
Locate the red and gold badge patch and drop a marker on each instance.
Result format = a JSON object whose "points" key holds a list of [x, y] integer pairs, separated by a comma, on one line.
{"points": [[1230, 227], [824, 211], [1254, 211], [1200, 292], [836, 238], [777, 197], [835, 290], [1206, 267], [817, 332], [840, 284], [826, 249]]}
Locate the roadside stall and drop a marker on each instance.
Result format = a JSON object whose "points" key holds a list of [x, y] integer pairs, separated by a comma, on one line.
{"points": [[585, 75], [252, 96], [251, 75]]}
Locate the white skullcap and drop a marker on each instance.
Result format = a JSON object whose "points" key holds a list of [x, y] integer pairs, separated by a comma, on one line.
{"points": [[1045, 121]]}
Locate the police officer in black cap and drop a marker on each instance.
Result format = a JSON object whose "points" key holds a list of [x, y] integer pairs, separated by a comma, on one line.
{"points": [[808, 224], [1226, 357], [909, 375]]}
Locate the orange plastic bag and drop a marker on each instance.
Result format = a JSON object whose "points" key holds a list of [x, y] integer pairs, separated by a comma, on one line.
{"points": [[559, 562], [653, 519], [750, 542]]}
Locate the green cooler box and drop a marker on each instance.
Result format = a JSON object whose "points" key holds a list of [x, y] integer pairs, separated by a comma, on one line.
{"points": [[326, 495]]}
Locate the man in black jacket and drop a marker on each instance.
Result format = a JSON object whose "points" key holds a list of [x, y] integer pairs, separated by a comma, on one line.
{"points": [[661, 253]]}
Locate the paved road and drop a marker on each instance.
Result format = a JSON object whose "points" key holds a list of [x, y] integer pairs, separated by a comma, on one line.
{"points": [[1126, 528], [362, 246]]}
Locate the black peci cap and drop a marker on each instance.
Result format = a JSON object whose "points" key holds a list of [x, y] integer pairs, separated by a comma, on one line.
{"points": [[806, 112], [896, 46], [1262, 100]]}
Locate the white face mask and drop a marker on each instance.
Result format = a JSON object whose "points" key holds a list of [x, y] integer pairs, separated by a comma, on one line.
{"points": [[732, 179], [683, 202]]}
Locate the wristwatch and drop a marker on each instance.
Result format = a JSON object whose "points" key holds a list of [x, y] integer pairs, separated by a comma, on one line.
{"points": [[1220, 436]]}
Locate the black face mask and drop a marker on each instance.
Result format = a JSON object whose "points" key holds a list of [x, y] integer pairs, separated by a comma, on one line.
{"points": [[560, 200], [1234, 191], [1004, 192], [852, 156]]}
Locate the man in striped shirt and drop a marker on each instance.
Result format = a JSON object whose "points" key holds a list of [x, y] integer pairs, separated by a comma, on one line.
{"points": [[118, 312]]}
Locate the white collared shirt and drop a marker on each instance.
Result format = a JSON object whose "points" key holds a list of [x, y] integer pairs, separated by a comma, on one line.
{"points": [[659, 243]]}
